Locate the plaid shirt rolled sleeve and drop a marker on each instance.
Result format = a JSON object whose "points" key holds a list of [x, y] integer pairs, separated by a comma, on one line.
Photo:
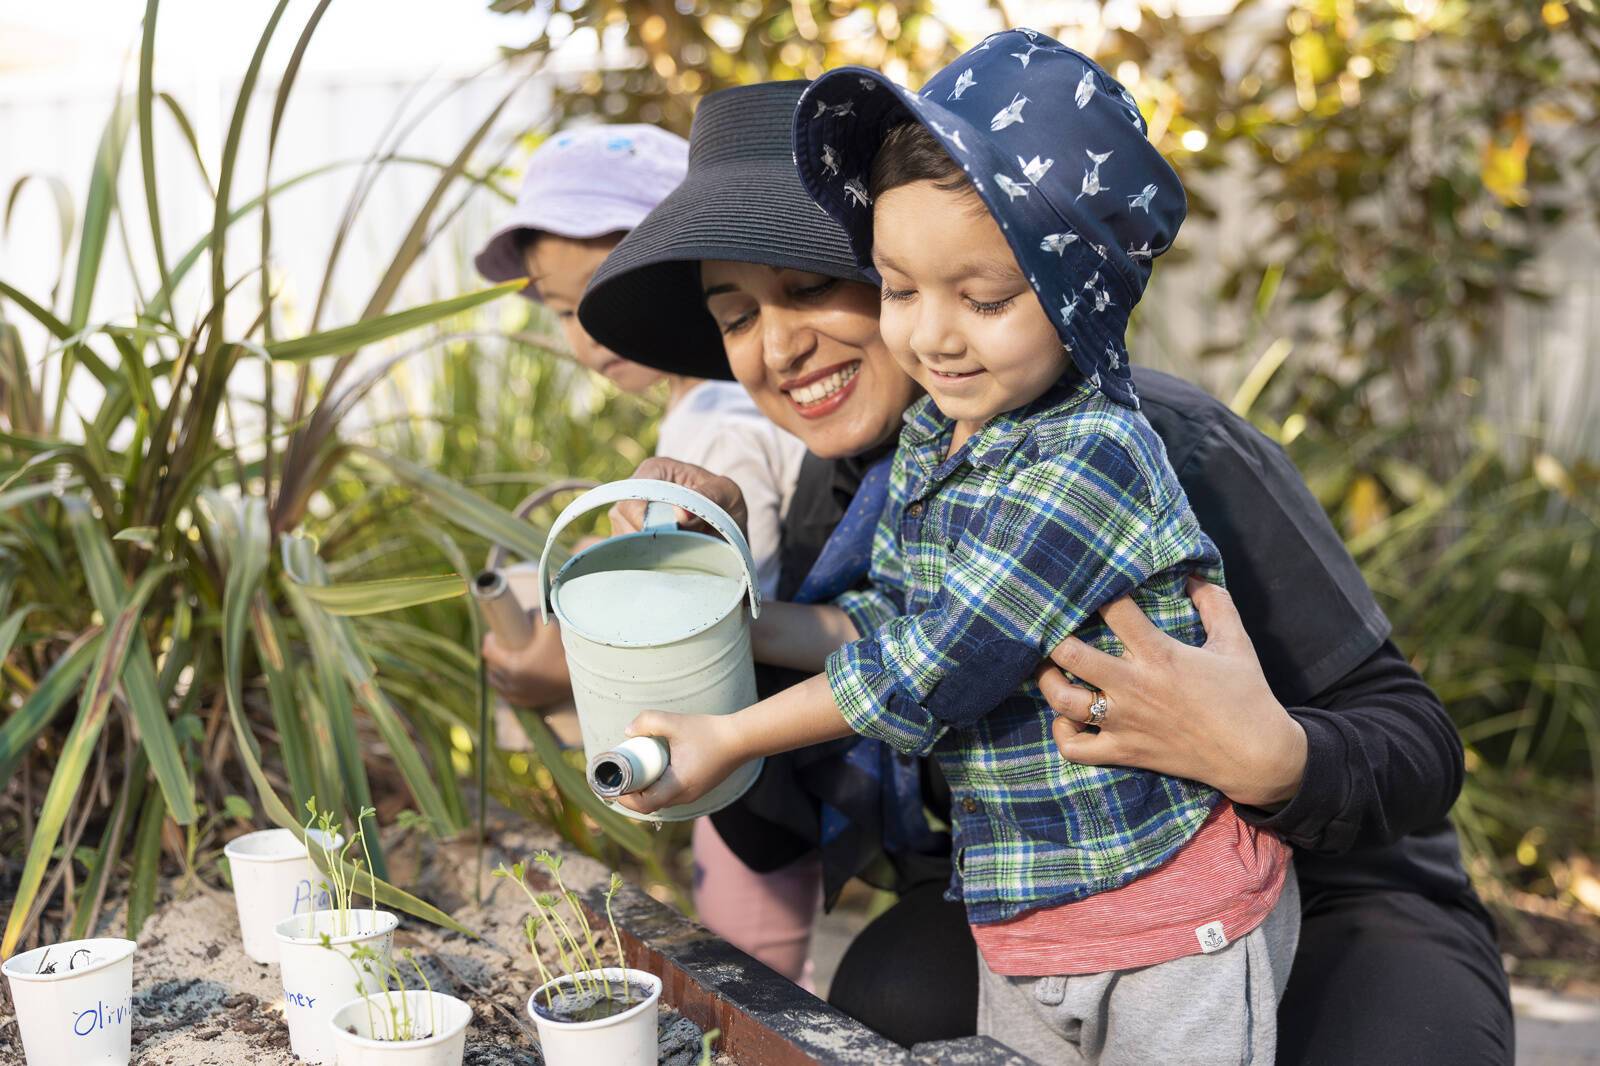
{"points": [[1056, 541], [870, 607]]}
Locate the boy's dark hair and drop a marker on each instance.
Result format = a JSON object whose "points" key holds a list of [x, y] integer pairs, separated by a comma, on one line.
{"points": [[910, 153]]}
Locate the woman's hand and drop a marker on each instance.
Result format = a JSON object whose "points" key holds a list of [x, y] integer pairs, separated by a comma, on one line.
{"points": [[628, 516], [702, 750], [1203, 713], [534, 675]]}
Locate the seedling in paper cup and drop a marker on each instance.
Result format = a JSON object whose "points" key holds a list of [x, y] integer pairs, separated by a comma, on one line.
{"points": [[391, 1025], [314, 984], [369, 966], [341, 888], [588, 1012], [583, 989]]}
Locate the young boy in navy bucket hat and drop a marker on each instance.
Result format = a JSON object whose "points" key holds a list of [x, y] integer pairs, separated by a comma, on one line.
{"points": [[1011, 212]]}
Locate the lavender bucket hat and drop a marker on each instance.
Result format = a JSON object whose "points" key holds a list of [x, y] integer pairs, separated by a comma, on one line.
{"points": [[586, 182], [1057, 150]]}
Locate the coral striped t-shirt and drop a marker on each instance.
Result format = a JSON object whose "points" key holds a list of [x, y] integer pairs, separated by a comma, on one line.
{"points": [[1215, 889]]}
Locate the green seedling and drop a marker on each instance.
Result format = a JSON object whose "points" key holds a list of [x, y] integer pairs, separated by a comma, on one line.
{"points": [[581, 964], [611, 890], [342, 871], [366, 963], [706, 1040]]}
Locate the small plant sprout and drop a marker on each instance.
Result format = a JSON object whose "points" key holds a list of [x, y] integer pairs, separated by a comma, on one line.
{"points": [[530, 929], [48, 968], [567, 945], [343, 871], [403, 1024], [581, 964], [612, 889], [553, 864], [706, 1040]]}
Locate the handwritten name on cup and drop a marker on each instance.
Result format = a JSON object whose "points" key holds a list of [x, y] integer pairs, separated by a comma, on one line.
{"points": [[307, 898], [102, 1015]]}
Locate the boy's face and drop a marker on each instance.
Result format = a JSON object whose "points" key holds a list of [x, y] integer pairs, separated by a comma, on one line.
{"points": [[562, 267], [958, 312]]}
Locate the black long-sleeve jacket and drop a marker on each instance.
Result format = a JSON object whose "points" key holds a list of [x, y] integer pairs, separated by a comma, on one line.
{"points": [[1383, 759]]}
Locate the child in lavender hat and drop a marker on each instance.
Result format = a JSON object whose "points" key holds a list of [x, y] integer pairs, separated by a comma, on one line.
{"points": [[585, 188], [1011, 212]]}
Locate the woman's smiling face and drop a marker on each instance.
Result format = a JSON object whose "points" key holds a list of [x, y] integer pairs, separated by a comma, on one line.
{"points": [[806, 348]]}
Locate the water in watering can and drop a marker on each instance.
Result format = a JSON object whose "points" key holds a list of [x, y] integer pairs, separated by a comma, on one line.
{"points": [[627, 608]]}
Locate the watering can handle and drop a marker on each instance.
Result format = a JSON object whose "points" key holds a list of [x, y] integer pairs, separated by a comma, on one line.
{"points": [[662, 496]]}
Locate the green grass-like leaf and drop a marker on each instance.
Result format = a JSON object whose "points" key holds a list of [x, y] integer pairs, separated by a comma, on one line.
{"points": [[346, 339], [74, 758], [139, 676], [380, 597]]}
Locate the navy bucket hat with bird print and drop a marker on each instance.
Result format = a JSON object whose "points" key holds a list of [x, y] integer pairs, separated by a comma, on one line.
{"points": [[1058, 151]]}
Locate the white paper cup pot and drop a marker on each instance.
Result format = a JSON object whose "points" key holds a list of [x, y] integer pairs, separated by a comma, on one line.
{"points": [[363, 1030], [317, 981], [626, 1039], [272, 879], [74, 1002]]}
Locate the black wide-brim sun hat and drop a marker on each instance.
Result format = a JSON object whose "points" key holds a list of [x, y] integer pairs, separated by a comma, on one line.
{"points": [[742, 201]]}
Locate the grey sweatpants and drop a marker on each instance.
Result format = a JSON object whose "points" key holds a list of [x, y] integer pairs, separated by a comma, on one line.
{"points": [[1199, 1010]]}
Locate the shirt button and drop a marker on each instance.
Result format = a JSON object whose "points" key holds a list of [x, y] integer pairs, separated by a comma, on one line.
{"points": [[969, 805], [915, 510]]}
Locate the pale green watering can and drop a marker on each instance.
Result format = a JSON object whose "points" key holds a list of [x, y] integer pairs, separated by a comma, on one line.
{"points": [[658, 619]]}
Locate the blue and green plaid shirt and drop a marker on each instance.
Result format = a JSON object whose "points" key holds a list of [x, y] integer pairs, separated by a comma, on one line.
{"points": [[981, 564]]}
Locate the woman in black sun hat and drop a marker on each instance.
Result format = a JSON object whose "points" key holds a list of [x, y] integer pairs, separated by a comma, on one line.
{"points": [[1299, 708]]}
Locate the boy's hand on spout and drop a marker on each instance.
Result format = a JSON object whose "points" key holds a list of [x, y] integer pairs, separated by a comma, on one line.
{"points": [[628, 516], [702, 752], [703, 749]]}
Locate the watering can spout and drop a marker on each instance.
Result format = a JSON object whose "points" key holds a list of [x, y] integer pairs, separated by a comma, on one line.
{"points": [[632, 766], [511, 625]]}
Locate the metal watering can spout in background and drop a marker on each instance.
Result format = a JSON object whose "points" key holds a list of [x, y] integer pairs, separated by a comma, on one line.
{"points": [[654, 620], [500, 590]]}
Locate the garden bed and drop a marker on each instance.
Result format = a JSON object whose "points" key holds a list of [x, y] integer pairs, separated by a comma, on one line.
{"points": [[199, 1001]]}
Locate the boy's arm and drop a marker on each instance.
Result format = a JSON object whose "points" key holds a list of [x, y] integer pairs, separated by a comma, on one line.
{"points": [[800, 636], [1064, 537], [703, 749]]}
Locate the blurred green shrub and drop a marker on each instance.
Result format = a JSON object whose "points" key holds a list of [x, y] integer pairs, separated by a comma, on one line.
{"points": [[176, 630]]}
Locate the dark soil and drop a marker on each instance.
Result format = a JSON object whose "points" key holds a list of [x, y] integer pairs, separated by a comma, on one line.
{"points": [[590, 1006]]}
